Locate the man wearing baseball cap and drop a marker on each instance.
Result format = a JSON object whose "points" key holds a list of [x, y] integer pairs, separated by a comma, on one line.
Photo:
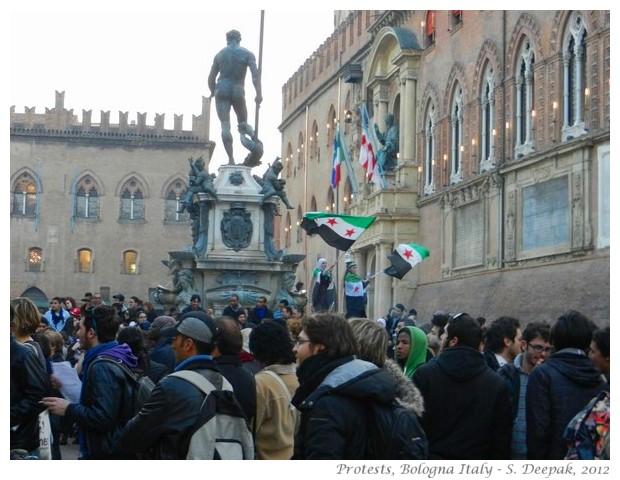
{"points": [[165, 424]]}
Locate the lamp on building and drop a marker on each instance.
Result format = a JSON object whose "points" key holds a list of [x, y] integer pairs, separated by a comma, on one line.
{"points": [[348, 116]]}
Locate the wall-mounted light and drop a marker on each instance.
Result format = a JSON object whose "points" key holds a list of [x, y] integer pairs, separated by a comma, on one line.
{"points": [[348, 116]]}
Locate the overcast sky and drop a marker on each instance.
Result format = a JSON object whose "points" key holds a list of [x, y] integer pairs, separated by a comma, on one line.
{"points": [[154, 60]]}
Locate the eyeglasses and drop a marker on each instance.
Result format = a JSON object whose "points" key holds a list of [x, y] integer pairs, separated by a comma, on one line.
{"points": [[301, 341], [454, 317], [539, 348]]}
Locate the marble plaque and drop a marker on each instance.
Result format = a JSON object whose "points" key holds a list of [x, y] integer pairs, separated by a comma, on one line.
{"points": [[546, 215], [469, 235]]}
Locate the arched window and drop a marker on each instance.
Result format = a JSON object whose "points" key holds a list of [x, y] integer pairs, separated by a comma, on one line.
{"points": [[85, 260], [300, 151], [287, 231], [313, 204], [430, 146], [314, 140], [288, 160], [330, 205], [456, 136], [35, 260], [574, 93], [174, 194], [488, 120], [429, 28], [24, 196], [130, 262], [132, 201], [331, 126], [86, 199], [524, 120], [299, 219]]}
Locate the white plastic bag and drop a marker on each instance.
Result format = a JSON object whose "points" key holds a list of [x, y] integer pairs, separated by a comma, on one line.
{"points": [[45, 436]]}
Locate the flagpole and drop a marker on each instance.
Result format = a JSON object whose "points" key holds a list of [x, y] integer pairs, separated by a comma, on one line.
{"points": [[260, 66]]}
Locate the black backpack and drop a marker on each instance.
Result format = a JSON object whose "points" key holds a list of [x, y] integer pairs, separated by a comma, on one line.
{"points": [[395, 433], [141, 383]]}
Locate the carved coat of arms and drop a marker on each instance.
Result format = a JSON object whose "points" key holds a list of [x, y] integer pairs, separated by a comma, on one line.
{"points": [[236, 228]]}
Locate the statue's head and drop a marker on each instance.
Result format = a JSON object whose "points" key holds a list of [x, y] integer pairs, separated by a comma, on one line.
{"points": [[277, 165], [233, 35], [389, 119], [199, 162]]}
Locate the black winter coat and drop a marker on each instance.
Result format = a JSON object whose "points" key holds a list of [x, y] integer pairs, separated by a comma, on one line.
{"points": [[556, 391], [29, 384], [468, 410], [332, 399], [242, 381], [162, 430], [106, 407]]}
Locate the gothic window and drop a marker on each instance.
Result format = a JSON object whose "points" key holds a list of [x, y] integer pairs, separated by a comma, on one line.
{"points": [[429, 151], [574, 88], [287, 231], [330, 205], [130, 262], [24, 196], [429, 28], [299, 229], [331, 126], [85, 260], [132, 201], [300, 152], [35, 260], [456, 136], [172, 205], [456, 18], [86, 199], [488, 121], [313, 204], [314, 140], [524, 121], [289, 160]]}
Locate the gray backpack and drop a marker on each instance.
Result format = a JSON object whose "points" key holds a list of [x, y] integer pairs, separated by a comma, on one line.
{"points": [[221, 431]]}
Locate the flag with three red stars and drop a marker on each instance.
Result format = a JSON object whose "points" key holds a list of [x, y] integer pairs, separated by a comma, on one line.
{"points": [[404, 258], [338, 231]]}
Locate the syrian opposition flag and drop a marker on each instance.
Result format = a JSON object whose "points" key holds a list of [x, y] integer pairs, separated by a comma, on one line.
{"points": [[404, 258], [353, 286], [338, 231], [337, 158], [368, 160]]}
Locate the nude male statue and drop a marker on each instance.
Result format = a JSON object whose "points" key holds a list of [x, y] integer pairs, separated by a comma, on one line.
{"points": [[226, 82]]}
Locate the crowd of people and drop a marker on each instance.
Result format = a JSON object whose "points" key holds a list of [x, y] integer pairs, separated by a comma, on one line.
{"points": [[304, 381]]}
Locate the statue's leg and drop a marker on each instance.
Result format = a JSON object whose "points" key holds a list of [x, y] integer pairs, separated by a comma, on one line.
{"points": [[223, 113]]}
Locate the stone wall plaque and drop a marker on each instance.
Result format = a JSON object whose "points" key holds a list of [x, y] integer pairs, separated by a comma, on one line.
{"points": [[546, 214], [468, 235]]}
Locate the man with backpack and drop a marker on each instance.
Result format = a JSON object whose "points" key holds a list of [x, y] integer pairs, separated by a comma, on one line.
{"points": [[107, 395], [189, 410]]}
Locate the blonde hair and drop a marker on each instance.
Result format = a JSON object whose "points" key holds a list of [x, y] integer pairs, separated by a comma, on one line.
{"points": [[25, 317], [371, 339]]}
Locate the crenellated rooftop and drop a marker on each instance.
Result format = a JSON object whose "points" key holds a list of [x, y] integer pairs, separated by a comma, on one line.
{"points": [[59, 121]]}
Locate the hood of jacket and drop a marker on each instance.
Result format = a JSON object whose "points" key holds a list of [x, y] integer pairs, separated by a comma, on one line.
{"points": [[577, 368], [407, 394], [461, 364], [361, 379]]}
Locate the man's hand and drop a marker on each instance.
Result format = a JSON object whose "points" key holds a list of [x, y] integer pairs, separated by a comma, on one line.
{"points": [[258, 99], [57, 406]]}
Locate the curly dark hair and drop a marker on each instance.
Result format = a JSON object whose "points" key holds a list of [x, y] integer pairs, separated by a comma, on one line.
{"points": [[271, 343]]}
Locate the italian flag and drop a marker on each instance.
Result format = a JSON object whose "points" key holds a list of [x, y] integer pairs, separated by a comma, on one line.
{"points": [[404, 258], [338, 231]]}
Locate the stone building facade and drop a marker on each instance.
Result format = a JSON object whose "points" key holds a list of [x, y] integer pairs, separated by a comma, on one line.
{"points": [[94, 206], [504, 157]]}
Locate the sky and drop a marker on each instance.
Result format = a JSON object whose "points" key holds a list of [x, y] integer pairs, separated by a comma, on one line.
{"points": [[155, 60]]}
